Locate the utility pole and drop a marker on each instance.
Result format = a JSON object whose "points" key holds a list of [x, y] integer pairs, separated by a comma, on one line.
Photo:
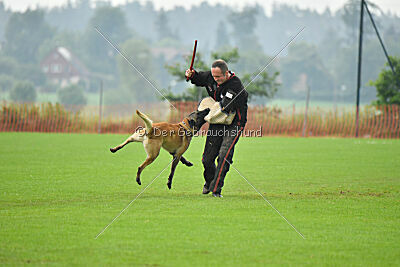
{"points": [[359, 66]]}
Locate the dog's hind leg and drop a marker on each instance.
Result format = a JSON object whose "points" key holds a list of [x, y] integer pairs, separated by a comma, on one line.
{"points": [[136, 137], [186, 162], [152, 148], [147, 162], [177, 157], [183, 160], [127, 141]]}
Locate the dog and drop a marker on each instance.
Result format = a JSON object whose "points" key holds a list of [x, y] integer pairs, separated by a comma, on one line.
{"points": [[175, 138]]}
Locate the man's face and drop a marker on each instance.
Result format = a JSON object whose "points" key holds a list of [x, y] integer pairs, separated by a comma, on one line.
{"points": [[218, 76]]}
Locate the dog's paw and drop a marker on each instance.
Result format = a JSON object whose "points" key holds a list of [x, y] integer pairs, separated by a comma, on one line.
{"points": [[138, 181], [169, 184], [189, 164], [113, 150]]}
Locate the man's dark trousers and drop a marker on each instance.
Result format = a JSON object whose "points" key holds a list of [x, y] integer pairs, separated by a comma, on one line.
{"points": [[220, 142]]}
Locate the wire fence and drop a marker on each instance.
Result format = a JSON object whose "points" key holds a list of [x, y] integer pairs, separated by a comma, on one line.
{"points": [[374, 122]]}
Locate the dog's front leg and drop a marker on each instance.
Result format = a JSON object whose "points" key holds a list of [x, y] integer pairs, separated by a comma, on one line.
{"points": [[152, 148], [171, 175]]}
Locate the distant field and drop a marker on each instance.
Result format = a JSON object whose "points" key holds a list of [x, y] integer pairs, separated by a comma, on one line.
{"points": [[58, 191], [313, 103], [93, 100]]}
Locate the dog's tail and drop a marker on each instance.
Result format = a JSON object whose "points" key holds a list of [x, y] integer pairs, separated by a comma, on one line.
{"points": [[147, 121]]}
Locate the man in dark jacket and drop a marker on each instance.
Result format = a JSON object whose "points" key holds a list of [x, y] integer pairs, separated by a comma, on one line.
{"points": [[226, 88]]}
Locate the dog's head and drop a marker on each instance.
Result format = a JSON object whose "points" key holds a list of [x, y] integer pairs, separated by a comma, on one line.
{"points": [[196, 119]]}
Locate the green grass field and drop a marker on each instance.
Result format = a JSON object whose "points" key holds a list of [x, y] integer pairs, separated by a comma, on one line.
{"points": [[58, 191]]}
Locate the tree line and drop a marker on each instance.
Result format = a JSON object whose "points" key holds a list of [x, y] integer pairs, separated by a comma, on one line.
{"points": [[324, 57]]}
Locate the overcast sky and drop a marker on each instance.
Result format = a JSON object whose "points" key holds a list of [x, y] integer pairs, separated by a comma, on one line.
{"points": [[386, 5]]}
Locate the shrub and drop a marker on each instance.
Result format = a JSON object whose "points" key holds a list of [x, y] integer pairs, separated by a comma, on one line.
{"points": [[71, 96], [388, 84], [6, 82], [23, 91]]}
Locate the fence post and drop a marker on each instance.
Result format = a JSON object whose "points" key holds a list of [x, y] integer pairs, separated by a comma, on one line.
{"points": [[100, 105], [293, 115], [306, 111]]}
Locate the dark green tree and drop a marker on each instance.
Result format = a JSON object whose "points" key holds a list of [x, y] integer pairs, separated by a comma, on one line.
{"points": [[230, 56], [71, 16], [23, 91], [304, 59], [133, 85], [244, 23], [20, 71], [388, 84], [8, 65], [350, 14], [4, 15], [6, 82], [263, 85], [31, 72], [222, 35], [162, 26], [24, 33], [100, 54], [71, 95]]}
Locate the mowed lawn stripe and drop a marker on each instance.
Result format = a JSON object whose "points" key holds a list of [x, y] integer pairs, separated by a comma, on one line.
{"points": [[58, 191]]}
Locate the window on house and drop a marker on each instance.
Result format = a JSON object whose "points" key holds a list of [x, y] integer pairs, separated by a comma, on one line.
{"points": [[56, 68]]}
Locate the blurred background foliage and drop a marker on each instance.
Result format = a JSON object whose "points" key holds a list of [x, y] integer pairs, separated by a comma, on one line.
{"points": [[157, 42]]}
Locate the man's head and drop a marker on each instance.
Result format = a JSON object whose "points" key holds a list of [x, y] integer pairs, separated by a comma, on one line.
{"points": [[219, 71]]}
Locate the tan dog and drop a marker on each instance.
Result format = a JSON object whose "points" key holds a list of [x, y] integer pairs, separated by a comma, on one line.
{"points": [[175, 138]]}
